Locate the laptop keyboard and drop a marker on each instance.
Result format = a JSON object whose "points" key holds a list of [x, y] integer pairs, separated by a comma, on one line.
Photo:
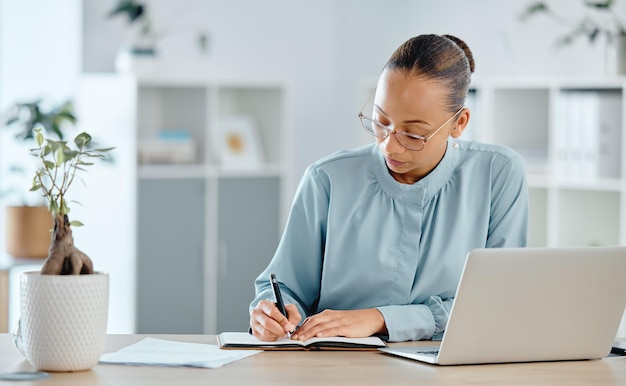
{"points": [[430, 351]]}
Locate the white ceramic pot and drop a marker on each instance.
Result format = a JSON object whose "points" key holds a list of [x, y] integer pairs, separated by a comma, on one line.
{"points": [[63, 320]]}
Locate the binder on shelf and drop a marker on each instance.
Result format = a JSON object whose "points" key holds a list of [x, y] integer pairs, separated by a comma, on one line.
{"points": [[589, 135], [609, 134]]}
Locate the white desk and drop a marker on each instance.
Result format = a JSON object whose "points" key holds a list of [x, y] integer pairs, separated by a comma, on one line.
{"points": [[322, 368]]}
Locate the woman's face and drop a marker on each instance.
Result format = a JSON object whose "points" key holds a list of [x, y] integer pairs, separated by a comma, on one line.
{"points": [[415, 105]]}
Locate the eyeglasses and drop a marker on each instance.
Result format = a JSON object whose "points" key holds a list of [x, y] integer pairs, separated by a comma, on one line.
{"points": [[410, 141]]}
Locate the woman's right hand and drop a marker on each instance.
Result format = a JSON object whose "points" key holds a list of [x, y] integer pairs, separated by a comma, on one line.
{"points": [[268, 324]]}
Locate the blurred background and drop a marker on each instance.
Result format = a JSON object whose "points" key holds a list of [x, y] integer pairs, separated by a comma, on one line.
{"points": [[217, 107]]}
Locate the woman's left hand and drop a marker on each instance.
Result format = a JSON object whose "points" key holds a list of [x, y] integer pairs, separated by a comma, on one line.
{"points": [[351, 324]]}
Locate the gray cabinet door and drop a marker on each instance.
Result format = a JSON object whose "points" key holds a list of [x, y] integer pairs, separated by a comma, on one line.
{"points": [[248, 234], [170, 266]]}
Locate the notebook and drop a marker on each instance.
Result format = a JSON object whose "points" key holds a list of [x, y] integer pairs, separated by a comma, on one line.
{"points": [[532, 304], [244, 340]]}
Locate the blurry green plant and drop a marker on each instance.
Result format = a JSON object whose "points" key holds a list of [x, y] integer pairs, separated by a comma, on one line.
{"points": [[30, 115], [137, 12], [601, 20], [25, 118]]}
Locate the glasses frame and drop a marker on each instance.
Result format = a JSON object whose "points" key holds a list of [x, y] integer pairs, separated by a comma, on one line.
{"points": [[387, 130]]}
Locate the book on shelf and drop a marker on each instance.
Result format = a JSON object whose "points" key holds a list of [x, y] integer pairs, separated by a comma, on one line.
{"points": [[244, 340]]}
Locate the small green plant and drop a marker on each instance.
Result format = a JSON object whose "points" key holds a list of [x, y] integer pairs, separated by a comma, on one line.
{"points": [[601, 19], [23, 118], [58, 167]]}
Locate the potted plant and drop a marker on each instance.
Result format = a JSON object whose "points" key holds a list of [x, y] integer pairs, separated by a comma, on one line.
{"points": [[145, 35], [64, 308], [601, 20], [28, 224]]}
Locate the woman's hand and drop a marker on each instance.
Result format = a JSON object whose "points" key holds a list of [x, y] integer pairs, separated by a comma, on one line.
{"points": [[268, 324], [351, 324]]}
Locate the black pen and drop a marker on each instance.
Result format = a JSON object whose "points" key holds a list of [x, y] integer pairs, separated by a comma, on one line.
{"points": [[279, 298]]}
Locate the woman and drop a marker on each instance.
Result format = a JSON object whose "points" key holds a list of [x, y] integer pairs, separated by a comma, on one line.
{"points": [[377, 236]]}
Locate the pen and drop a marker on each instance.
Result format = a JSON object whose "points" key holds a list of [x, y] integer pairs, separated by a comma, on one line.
{"points": [[279, 298]]}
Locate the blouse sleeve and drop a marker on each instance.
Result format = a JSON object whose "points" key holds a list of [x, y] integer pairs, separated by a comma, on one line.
{"points": [[297, 262], [417, 321], [508, 220]]}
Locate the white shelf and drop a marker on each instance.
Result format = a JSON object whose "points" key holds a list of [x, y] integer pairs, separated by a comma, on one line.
{"points": [[205, 227], [204, 171], [571, 203]]}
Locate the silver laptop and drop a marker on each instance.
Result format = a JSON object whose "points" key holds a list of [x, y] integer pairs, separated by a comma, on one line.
{"points": [[532, 304]]}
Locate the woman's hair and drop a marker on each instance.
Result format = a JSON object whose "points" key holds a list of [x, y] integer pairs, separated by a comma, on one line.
{"points": [[443, 58]]}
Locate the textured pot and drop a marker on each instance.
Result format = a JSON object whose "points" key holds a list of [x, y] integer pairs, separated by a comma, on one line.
{"points": [[28, 231], [63, 320]]}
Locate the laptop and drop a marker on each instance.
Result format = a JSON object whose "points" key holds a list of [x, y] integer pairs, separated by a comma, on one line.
{"points": [[530, 305]]}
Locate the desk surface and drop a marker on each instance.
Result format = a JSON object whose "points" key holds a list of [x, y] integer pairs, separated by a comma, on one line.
{"points": [[321, 368]]}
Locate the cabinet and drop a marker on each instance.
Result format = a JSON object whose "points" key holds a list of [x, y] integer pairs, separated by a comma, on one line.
{"points": [[207, 222]]}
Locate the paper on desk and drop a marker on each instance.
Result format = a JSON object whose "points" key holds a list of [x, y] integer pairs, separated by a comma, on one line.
{"points": [[158, 352]]}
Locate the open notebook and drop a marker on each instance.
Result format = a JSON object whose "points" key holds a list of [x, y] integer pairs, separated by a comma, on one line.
{"points": [[243, 340], [532, 304]]}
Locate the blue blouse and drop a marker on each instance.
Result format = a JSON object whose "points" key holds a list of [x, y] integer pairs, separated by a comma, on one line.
{"points": [[356, 238]]}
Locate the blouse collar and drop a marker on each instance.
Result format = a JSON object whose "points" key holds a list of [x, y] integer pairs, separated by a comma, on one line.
{"points": [[423, 190]]}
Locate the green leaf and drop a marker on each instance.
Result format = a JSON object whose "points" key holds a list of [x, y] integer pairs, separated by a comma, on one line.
{"points": [[36, 186], [81, 162], [53, 207], [601, 5], [54, 145], [60, 156], [64, 208], [532, 9], [39, 138], [82, 140], [76, 223], [49, 164], [69, 154], [95, 155], [47, 149], [105, 149]]}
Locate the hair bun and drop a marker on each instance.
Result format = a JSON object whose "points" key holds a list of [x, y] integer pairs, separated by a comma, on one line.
{"points": [[465, 48]]}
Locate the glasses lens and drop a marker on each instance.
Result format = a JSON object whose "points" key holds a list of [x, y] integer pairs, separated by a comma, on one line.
{"points": [[373, 128], [410, 142]]}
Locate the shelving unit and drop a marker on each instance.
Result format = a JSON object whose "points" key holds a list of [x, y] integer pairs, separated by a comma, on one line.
{"points": [[206, 229], [569, 204]]}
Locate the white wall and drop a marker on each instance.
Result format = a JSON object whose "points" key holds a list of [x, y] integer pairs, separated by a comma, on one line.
{"points": [[328, 47], [41, 57]]}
